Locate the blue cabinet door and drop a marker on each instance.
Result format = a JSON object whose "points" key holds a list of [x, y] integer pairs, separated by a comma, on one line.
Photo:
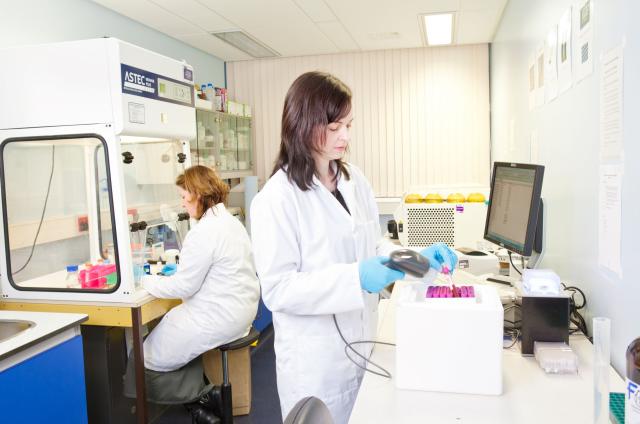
{"points": [[46, 388]]}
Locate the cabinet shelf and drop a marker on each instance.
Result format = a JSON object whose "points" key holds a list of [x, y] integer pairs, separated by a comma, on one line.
{"points": [[215, 129]]}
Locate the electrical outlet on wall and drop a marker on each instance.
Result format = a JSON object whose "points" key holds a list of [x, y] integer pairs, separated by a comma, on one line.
{"points": [[83, 223]]}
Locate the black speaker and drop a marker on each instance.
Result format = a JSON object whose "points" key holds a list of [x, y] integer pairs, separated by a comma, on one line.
{"points": [[544, 319]]}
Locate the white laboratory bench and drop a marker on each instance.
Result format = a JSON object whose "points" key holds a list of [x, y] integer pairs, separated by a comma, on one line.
{"points": [[529, 395], [46, 330]]}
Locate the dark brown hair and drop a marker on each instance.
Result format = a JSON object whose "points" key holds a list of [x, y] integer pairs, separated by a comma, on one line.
{"points": [[314, 100], [203, 181]]}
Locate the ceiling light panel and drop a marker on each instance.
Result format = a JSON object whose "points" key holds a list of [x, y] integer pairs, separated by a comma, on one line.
{"points": [[438, 29], [243, 42], [213, 45]]}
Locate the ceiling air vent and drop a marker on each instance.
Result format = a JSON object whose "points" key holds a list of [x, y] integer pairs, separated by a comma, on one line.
{"points": [[242, 41]]}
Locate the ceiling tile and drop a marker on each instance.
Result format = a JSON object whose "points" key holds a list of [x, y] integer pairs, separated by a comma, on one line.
{"points": [[196, 13], [338, 35], [278, 24], [150, 15], [482, 4], [316, 10], [309, 27], [476, 26], [366, 18]]}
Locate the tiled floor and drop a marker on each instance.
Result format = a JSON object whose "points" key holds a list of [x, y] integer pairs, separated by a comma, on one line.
{"points": [[265, 405]]}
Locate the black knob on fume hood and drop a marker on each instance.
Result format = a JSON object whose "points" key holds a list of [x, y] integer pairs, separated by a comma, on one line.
{"points": [[137, 226], [182, 157], [128, 157]]}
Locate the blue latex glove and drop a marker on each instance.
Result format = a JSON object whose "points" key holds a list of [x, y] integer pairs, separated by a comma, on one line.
{"points": [[374, 276], [440, 255], [169, 269]]}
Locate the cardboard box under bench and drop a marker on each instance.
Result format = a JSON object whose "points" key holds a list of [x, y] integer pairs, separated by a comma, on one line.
{"points": [[239, 362]]}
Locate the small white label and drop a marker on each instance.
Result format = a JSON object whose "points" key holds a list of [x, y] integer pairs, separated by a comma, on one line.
{"points": [[136, 113]]}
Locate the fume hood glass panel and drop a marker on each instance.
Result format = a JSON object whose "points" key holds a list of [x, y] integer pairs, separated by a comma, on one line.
{"points": [[52, 225], [150, 169]]}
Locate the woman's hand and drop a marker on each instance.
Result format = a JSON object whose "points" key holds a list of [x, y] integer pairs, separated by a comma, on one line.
{"points": [[440, 255], [375, 276]]}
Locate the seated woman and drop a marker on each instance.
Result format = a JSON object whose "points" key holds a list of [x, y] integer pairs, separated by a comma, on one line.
{"points": [[217, 283]]}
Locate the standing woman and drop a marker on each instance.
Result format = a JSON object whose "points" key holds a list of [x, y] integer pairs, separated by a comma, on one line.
{"points": [[316, 236], [217, 283]]}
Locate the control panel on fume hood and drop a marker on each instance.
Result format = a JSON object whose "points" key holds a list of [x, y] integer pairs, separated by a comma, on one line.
{"points": [[174, 91]]}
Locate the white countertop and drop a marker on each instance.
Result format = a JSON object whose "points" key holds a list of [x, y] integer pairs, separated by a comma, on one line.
{"points": [[530, 395], [47, 324]]}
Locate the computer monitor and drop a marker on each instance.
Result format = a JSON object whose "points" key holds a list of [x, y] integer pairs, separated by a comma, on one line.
{"points": [[515, 207]]}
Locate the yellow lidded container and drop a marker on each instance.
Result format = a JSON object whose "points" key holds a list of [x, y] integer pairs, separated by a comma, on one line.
{"points": [[413, 198], [476, 198], [455, 198], [433, 198]]}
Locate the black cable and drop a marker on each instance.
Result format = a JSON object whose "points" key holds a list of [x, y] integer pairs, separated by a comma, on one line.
{"points": [[573, 291], [511, 260], [348, 345], [44, 209], [515, 336]]}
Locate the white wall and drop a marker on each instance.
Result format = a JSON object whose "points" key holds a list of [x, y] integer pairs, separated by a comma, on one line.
{"points": [[45, 21], [568, 137], [421, 115]]}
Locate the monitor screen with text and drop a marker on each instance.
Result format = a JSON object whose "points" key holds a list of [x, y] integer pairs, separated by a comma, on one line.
{"points": [[515, 197]]}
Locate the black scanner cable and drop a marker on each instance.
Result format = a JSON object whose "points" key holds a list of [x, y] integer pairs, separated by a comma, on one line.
{"points": [[348, 346]]}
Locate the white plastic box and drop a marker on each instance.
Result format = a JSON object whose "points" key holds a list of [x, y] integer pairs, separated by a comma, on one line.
{"points": [[450, 345]]}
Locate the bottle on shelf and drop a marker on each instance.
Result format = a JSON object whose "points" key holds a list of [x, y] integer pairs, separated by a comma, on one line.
{"points": [[210, 93]]}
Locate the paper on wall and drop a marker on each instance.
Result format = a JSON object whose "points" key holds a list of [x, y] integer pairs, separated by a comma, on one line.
{"points": [[564, 52], [610, 218], [550, 64], [532, 82], [611, 113], [540, 75], [584, 44]]}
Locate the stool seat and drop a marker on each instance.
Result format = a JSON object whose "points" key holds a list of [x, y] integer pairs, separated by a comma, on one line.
{"points": [[241, 342]]}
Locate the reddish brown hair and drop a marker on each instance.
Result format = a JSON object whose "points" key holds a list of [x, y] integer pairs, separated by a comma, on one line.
{"points": [[314, 100], [203, 181]]}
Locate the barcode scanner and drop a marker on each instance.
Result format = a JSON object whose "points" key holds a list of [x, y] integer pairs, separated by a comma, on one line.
{"points": [[408, 261]]}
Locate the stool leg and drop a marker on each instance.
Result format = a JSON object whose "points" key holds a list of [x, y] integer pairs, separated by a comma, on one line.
{"points": [[227, 405]]}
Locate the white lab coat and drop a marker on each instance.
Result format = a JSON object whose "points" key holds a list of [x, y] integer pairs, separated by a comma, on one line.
{"points": [[306, 248], [217, 283]]}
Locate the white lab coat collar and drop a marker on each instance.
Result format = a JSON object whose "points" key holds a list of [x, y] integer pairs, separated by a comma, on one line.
{"points": [[343, 185], [212, 211]]}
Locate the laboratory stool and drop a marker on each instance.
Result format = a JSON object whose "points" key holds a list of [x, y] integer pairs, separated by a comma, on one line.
{"points": [[309, 410], [222, 394]]}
